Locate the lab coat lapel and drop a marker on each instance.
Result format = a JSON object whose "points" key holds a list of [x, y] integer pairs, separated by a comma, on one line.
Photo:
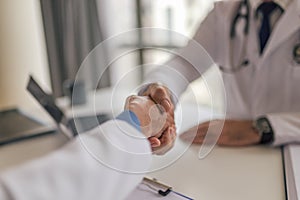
{"points": [[287, 25]]}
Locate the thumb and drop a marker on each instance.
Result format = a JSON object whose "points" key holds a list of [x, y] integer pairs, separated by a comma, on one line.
{"points": [[155, 142]]}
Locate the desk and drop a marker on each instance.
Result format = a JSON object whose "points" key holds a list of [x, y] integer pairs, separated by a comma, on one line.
{"points": [[245, 173], [226, 173]]}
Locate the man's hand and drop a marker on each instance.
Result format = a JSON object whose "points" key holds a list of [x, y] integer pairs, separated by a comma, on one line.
{"points": [[162, 96], [233, 133], [156, 124]]}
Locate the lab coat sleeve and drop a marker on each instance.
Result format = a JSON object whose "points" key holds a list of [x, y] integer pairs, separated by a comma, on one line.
{"points": [[189, 62], [105, 163], [286, 128]]}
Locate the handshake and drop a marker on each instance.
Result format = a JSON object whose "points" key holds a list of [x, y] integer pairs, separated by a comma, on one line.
{"points": [[155, 112]]}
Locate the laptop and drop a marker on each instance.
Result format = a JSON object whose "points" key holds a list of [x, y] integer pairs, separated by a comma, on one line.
{"points": [[69, 126], [16, 125]]}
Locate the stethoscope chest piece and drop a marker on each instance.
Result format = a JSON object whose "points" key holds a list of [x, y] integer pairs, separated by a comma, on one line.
{"points": [[296, 53]]}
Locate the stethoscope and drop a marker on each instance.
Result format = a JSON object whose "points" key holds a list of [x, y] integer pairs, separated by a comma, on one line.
{"points": [[243, 13]]}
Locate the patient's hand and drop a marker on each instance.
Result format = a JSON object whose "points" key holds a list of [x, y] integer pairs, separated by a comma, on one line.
{"points": [[162, 95], [156, 124]]}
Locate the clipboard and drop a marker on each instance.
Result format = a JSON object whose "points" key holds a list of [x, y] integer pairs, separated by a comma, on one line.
{"points": [[154, 190]]}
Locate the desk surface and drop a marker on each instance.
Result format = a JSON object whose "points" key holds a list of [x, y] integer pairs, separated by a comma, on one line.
{"points": [[226, 173]]}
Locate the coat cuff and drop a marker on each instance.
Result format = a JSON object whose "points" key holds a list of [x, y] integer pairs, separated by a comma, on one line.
{"points": [[285, 128], [131, 118]]}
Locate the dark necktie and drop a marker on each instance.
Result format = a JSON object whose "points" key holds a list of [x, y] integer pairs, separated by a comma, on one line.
{"points": [[266, 8]]}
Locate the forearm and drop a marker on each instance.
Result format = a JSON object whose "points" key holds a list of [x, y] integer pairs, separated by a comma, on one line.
{"points": [[179, 72], [175, 75], [191, 61]]}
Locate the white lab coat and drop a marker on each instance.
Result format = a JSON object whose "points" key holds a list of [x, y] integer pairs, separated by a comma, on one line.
{"points": [[106, 163], [269, 85]]}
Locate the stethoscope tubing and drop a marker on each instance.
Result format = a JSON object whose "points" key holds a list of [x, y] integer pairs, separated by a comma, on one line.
{"points": [[244, 62]]}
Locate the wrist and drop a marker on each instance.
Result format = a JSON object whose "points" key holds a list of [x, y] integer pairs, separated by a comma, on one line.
{"points": [[131, 118]]}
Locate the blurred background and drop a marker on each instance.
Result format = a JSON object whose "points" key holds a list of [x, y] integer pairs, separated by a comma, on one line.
{"points": [[51, 38]]}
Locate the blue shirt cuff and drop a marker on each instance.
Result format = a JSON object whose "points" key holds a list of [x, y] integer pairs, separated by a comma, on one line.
{"points": [[131, 118]]}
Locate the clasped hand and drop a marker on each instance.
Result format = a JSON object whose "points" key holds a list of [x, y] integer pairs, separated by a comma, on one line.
{"points": [[156, 124]]}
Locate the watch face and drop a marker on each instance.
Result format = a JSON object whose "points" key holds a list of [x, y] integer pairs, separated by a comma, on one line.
{"points": [[264, 125], [265, 129]]}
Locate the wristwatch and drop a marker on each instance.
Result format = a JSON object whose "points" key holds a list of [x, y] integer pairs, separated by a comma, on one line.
{"points": [[264, 129]]}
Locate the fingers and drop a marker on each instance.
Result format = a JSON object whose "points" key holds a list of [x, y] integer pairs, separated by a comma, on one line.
{"points": [[159, 122], [165, 103], [169, 122], [154, 142], [160, 95], [195, 134], [189, 135], [137, 101], [160, 125], [167, 141]]}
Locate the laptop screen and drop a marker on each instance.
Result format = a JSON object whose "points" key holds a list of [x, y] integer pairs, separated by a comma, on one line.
{"points": [[45, 100], [84, 123]]}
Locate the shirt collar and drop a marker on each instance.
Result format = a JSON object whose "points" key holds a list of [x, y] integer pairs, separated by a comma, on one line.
{"points": [[282, 3]]}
